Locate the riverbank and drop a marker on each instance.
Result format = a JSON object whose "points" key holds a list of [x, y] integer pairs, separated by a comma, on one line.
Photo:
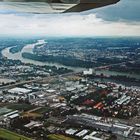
{"points": [[29, 49]]}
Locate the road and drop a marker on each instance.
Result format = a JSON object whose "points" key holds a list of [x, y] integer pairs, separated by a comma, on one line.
{"points": [[51, 77], [34, 80]]}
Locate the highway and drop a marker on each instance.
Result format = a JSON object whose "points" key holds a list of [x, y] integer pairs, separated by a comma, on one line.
{"points": [[55, 76], [48, 78]]}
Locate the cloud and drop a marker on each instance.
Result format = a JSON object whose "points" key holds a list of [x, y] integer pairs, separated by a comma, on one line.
{"points": [[124, 10], [65, 25], [121, 19]]}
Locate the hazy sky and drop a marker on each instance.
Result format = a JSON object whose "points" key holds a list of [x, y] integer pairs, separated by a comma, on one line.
{"points": [[122, 19]]}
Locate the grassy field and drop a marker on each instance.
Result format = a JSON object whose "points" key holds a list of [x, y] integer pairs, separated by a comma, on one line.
{"points": [[20, 107], [42, 110], [8, 135], [4, 110], [59, 137]]}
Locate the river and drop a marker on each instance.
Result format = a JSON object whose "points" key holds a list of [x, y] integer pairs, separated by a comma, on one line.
{"points": [[29, 49]]}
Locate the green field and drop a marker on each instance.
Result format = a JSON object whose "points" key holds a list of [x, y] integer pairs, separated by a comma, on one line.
{"points": [[58, 137], [42, 110], [20, 107], [4, 110], [8, 135]]}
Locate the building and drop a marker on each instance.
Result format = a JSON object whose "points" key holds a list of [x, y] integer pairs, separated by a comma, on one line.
{"points": [[88, 72], [19, 91]]}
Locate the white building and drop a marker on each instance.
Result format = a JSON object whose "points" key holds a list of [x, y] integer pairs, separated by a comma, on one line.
{"points": [[82, 133], [88, 72], [19, 91]]}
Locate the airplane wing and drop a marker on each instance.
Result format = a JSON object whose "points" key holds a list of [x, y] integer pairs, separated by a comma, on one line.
{"points": [[91, 4], [53, 6]]}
